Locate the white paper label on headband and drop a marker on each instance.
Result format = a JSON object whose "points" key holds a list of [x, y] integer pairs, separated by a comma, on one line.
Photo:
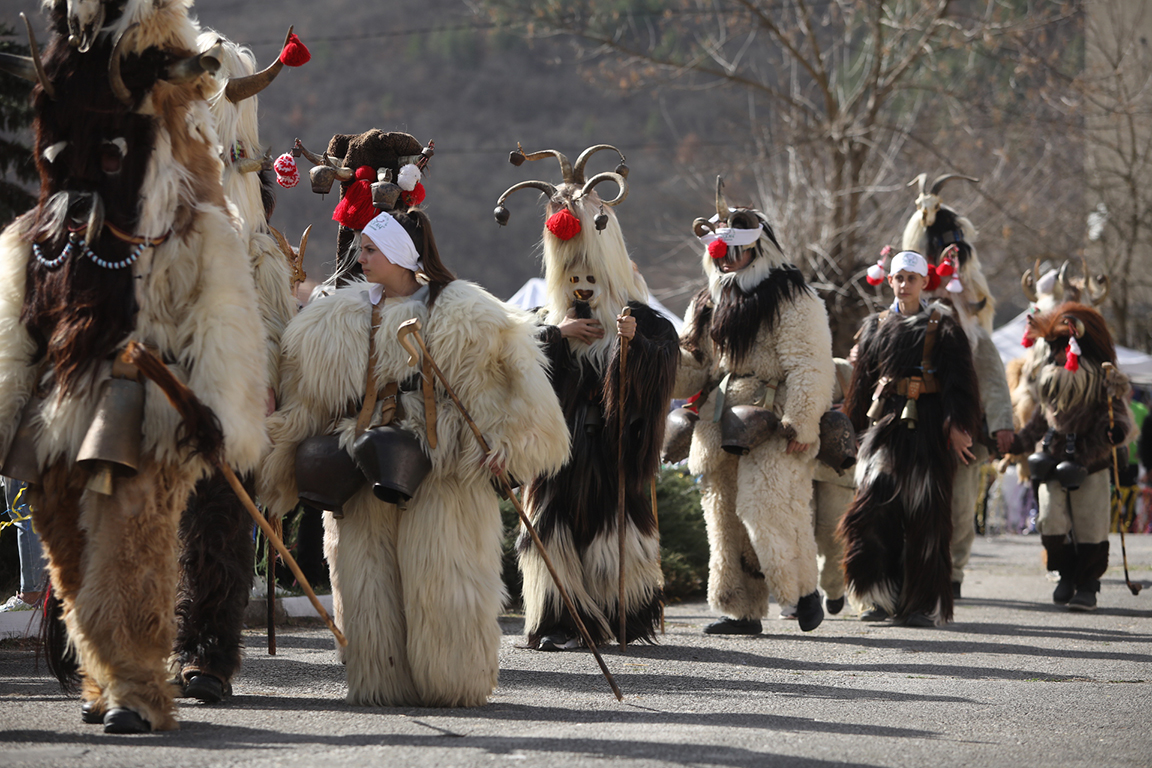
{"points": [[733, 237]]}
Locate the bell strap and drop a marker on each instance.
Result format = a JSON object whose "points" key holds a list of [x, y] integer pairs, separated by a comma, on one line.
{"points": [[429, 402], [371, 390]]}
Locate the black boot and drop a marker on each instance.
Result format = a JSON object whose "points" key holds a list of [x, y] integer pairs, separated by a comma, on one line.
{"points": [[809, 612], [1091, 563], [1062, 559], [727, 626], [1085, 598]]}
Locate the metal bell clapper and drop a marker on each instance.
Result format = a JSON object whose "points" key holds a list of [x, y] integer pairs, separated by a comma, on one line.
{"points": [[111, 448]]}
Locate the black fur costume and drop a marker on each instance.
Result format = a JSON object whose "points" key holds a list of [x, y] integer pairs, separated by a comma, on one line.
{"points": [[582, 497], [898, 529]]}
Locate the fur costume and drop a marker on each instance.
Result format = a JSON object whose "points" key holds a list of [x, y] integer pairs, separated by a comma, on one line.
{"points": [[832, 493], [148, 168], [576, 511], [1074, 524], [764, 326], [417, 590], [897, 531], [215, 529]]}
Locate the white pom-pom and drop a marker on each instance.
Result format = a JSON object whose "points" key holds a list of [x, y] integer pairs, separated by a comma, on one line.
{"points": [[954, 285], [408, 177], [1074, 346], [876, 272]]}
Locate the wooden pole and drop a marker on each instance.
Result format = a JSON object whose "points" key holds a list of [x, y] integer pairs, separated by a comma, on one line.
{"points": [[659, 555], [1133, 588], [411, 328], [621, 513], [270, 597]]}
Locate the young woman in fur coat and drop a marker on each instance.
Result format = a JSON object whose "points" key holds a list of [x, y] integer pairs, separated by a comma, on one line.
{"points": [[590, 280], [417, 589], [1069, 346], [756, 335], [131, 240], [920, 406]]}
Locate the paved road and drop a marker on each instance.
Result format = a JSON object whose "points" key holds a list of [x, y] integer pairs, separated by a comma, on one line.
{"points": [[1013, 682]]}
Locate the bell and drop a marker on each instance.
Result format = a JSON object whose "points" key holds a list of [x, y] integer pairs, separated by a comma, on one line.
{"points": [[876, 410], [20, 463], [393, 460], [326, 476], [601, 221], [502, 215], [622, 169], [593, 419], [1071, 474], [1040, 466], [516, 157], [678, 429], [837, 441], [322, 178], [909, 415], [385, 194], [743, 427], [111, 448]]}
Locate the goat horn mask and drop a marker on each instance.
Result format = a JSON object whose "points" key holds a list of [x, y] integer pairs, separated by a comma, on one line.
{"points": [[573, 176]]}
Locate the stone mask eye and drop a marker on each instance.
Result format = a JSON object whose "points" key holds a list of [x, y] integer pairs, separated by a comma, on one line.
{"points": [[591, 279], [112, 155]]}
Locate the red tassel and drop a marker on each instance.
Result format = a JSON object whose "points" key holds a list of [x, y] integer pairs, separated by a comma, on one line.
{"points": [[945, 269], [365, 173], [1027, 341], [692, 403], [933, 279], [563, 224], [1072, 362], [717, 249], [295, 53], [414, 197], [355, 209]]}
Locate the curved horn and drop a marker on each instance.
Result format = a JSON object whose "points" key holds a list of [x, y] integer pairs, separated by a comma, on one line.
{"points": [[701, 227], [1097, 287], [299, 149], [942, 180], [565, 166], [721, 202], [607, 176], [28, 67], [192, 67], [248, 165], [115, 82], [240, 88], [1028, 286], [921, 180], [1063, 281], [578, 167], [543, 186]]}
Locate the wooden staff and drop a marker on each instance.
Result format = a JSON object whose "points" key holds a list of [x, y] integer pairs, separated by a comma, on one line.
{"points": [[659, 554], [270, 578], [410, 329], [1134, 588], [621, 516], [193, 411]]}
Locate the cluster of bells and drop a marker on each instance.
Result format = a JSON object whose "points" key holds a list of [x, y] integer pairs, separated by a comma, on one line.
{"points": [[1044, 466]]}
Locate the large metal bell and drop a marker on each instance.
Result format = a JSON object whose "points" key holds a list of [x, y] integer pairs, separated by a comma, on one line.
{"points": [[837, 441], [1041, 465], [385, 194], [111, 448], [322, 178], [1071, 474], [678, 429], [743, 427], [393, 460], [326, 476], [20, 463]]}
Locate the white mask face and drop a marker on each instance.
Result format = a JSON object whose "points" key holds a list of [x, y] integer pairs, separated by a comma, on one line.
{"points": [[583, 287]]}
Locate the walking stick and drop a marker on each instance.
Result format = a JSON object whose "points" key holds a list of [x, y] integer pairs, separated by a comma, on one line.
{"points": [[1135, 588], [270, 597], [192, 410], [404, 334], [621, 515], [659, 556]]}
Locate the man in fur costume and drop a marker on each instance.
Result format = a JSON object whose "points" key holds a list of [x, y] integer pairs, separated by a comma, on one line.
{"points": [[215, 529], [590, 281], [756, 342], [416, 584], [914, 389], [1069, 347], [131, 240]]}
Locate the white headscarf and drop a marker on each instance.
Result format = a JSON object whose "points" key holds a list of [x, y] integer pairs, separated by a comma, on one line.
{"points": [[393, 241]]}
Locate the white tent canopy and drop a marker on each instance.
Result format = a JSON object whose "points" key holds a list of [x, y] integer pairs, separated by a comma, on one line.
{"points": [[531, 295], [1137, 365]]}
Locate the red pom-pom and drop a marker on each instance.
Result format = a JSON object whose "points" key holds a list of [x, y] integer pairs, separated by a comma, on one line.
{"points": [[1072, 363], [355, 210], [1027, 341], [945, 269], [563, 224], [416, 196], [287, 174], [717, 249], [365, 173], [295, 53], [933, 279]]}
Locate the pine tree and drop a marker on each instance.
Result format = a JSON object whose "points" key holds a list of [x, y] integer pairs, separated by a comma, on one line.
{"points": [[17, 169]]}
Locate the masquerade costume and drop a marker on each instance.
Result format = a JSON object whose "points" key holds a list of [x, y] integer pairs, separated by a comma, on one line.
{"points": [[756, 338]]}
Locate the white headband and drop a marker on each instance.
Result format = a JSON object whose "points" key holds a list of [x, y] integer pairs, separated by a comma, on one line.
{"points": [[910, 261], [730, 236], [393, 241]]}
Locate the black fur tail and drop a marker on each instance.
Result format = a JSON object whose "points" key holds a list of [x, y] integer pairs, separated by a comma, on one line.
{"points": [[58, 656]]}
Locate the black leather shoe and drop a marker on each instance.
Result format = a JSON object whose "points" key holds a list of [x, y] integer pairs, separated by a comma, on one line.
{"points": [[875, 614], [124, 720], [1085, 597], [209, 689], [834, 606], [727, 626], [1063, 592], [90, 714], [809, 612], [955, 590]]}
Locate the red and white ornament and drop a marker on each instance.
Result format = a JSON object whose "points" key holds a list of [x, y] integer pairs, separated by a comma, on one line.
{"points": [[877, 272], [287, 174]]}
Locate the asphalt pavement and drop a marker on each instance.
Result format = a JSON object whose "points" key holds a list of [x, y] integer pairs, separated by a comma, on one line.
{"points": [[1013, 681]]}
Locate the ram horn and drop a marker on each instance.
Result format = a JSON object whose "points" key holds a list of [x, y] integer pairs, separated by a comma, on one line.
{"points": [[240, 88], [29, 68], [519, 156], [578, 166], [192, 67], [1028, 283], [701, 227], [942, 180], [115, 81], [1064, 284], [607, 176], [502, 214], [721, 201], [922, 179], [1097, 287], [298, 149]]}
